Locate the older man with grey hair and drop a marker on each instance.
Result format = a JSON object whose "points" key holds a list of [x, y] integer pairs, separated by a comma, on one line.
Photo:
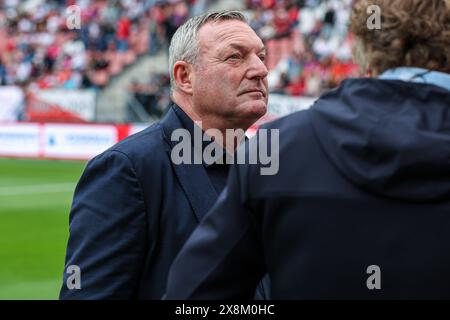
{"points": [[135, 205]]}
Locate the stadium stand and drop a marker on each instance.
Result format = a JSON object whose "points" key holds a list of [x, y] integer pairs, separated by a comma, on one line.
{"points": [[40, 49], [308, 44]]}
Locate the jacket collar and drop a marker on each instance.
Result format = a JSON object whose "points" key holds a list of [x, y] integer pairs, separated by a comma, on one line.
{"points": [[193, 178], [169, 123], [176, 118]]}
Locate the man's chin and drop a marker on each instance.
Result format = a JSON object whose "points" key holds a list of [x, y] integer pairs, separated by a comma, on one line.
{"points": [[253, 109]]}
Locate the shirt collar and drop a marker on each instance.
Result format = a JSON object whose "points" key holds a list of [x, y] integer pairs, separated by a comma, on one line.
{"points": [[418, 75]]}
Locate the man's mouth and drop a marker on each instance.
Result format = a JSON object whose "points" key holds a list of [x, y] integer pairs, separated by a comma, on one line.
{"points": [[262, 92]]}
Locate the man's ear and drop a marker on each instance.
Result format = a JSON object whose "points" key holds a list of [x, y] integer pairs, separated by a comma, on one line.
{"points": [[182, 72]]}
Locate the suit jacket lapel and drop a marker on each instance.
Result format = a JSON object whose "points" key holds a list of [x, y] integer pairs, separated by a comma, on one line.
{"points": [[193, 177]]}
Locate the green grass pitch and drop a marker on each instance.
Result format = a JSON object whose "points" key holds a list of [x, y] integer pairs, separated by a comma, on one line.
{"points": [[35, 199]]}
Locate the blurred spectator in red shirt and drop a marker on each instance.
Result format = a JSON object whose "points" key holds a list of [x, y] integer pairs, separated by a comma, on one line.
{"points": [[123, 33]]}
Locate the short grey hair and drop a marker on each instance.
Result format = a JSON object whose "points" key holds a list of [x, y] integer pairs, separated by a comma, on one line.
{"points": [[184, 44]]}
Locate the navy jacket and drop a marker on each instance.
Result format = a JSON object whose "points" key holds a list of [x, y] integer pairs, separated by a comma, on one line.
{"points": [[364, 180], [132, 211]]}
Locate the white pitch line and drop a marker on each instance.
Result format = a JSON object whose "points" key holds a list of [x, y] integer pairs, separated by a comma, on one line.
{"points": [[36, 189]]}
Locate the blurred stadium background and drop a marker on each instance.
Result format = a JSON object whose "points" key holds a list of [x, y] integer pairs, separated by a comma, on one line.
{"points": [[67, 95]]}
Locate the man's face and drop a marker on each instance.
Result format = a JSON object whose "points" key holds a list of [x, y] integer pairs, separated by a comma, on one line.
{"points": [[229, 77]]}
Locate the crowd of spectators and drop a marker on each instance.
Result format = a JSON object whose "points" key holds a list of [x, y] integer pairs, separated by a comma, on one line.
{"points": [[40, 49], [308, 43]]}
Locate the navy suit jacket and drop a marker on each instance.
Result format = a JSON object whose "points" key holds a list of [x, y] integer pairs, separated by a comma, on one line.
{"points": [[132, 211]]}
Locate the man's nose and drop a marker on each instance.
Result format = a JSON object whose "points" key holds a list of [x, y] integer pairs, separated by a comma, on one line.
{"points": [[257, 68]]}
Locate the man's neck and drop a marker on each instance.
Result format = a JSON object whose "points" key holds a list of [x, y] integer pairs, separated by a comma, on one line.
{"points": [[216, 127]]}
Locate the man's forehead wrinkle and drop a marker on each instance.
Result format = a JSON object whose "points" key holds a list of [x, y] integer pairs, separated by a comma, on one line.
{"points": [[234, 33], [230, 29], [238, 46], [231, 33], [240, 41]]}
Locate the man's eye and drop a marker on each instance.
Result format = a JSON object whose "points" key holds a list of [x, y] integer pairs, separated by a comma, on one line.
{"points": [[234, 57], [263, 58]]}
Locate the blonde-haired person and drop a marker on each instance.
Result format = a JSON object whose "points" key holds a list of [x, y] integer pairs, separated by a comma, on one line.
{"points": [[360, 207]]}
